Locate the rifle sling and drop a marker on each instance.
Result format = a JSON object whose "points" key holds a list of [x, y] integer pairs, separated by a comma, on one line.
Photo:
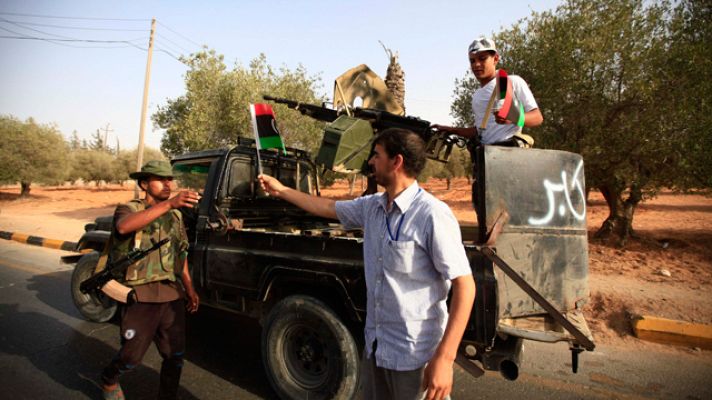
{"points": [[490, 104], [104, 257], [113, 288]]}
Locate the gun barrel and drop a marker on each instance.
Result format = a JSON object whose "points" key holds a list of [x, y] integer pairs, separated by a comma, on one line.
{"points": [[279, 100], [317, 112]]}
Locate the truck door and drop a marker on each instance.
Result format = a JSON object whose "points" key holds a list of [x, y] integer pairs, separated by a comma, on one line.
{"points": [[237, 257]]}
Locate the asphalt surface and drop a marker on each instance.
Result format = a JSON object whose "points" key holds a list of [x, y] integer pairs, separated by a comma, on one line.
{"points": [[47, 351]]}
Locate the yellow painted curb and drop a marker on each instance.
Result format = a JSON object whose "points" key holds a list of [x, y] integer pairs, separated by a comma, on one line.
{"points": [[39, 241], [670, 331]]}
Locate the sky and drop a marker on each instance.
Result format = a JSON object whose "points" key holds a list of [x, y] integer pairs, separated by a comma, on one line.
{"points": [[87, 85]]}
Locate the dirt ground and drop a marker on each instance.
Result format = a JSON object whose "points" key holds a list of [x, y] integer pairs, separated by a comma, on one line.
{"points": [[675, 237]]}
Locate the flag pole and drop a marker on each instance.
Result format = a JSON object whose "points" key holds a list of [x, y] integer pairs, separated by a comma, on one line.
{"points": [[257, 138]]}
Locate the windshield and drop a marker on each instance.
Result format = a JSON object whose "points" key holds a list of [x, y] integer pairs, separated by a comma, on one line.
{"points": [[192, 174], [242, 173]]}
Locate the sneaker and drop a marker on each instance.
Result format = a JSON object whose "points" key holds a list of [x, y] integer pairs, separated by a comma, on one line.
{"points": [[114, 394]]}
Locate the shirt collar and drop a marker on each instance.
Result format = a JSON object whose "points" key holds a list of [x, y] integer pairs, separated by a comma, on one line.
{"points": [[404, 199]]}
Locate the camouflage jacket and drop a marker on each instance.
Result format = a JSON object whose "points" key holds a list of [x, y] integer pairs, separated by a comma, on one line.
{"points": [[163, 264]]}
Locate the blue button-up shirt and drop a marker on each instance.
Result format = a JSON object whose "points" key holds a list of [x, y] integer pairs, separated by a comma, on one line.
{"points": [[411, 253]]}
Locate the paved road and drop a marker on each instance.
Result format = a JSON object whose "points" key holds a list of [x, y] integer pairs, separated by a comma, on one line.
{"points": [[47, 351]]}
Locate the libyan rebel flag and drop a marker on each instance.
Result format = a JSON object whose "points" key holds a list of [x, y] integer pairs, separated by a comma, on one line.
{"points": [[265, 127], [512, 109]]}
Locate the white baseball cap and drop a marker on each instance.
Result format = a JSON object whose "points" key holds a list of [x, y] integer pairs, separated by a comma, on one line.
{"points": [[482, 44]]}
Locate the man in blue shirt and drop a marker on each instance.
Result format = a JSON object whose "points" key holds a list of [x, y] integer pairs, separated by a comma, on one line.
{"points": [[413, 254]]}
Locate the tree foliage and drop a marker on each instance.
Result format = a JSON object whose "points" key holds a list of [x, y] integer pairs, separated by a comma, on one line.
{"points": [[458, 165], [126, 160], [214, 110], [95, 165], [31, 153], [625, 83]]}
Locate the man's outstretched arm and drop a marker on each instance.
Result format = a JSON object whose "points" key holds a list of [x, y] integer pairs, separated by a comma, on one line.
{"points": [[316, 205]]}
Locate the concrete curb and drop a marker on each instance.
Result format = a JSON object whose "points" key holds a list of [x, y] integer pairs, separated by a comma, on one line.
{"points": [[39, 241], [668, 331]]}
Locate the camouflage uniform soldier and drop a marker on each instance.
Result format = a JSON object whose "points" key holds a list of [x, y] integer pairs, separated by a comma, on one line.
{"points": [[155, 311]]}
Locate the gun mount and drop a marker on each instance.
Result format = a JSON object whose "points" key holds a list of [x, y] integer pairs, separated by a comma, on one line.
{"points": [[349, 135]]}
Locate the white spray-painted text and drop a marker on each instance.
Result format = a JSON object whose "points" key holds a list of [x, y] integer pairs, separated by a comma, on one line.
{"points": [[551, 188]]}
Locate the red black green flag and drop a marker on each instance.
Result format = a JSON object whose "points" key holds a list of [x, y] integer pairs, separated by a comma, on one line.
{"points": [[512, 109], [265, 127]]}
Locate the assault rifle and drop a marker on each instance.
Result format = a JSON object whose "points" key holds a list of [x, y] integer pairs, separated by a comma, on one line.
{"points": [[438, 144], [98, 280]]}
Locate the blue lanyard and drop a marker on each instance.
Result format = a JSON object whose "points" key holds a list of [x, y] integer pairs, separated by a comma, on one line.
{"points": [[400, 222]]}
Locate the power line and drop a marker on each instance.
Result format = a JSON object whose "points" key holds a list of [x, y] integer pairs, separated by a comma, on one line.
{"points": [[72, 27], [170, 54], [65, 40], [26, 25], [65, 17], [32, 29], [184, 37], [170, 48], [53, 34], [54, 41], [170, 41]]}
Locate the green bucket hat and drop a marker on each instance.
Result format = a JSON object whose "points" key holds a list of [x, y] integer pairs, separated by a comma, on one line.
{"points": [[153, 168]]}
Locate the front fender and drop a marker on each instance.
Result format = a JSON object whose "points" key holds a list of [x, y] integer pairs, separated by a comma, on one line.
{"points": [[280, 275], [95, 240]]}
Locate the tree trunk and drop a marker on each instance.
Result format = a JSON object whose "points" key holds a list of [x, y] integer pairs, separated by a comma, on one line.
{"points": [[619, 224], [25, 191]]}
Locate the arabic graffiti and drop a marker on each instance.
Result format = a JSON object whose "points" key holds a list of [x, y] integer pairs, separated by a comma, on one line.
{"points": [[576, 183]]}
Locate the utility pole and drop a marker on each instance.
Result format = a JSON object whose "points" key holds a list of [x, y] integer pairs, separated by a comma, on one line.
{"points": [[144, 106], [106, 135]]}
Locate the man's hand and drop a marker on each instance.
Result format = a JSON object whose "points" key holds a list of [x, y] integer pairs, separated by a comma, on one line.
{"points": [[193, 300], [184, 198], [500, 120], [270, 185], [437, 378]]}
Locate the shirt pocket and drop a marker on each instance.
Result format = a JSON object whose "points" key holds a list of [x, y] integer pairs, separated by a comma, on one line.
{"points": [[404, 258], [399, 256]]}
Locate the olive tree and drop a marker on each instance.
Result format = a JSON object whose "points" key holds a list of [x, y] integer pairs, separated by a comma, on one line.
{"points": [[125, 161], [214, 111], [31, 153], [612, 85]]}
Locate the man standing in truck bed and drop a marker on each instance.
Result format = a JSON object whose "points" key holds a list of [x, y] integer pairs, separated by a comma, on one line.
{"points": [[155, 312], [413, 253]]}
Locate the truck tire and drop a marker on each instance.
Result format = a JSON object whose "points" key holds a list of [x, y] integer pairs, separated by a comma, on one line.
{"points": [[94, 307], [308, 353]]}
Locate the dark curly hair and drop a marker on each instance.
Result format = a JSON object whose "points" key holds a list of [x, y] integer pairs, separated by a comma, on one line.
{"points": [[406, 143]]}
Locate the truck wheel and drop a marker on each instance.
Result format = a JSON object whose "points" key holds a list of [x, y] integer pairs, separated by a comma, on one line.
{"points": [[94, 307], [307, 351]]}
